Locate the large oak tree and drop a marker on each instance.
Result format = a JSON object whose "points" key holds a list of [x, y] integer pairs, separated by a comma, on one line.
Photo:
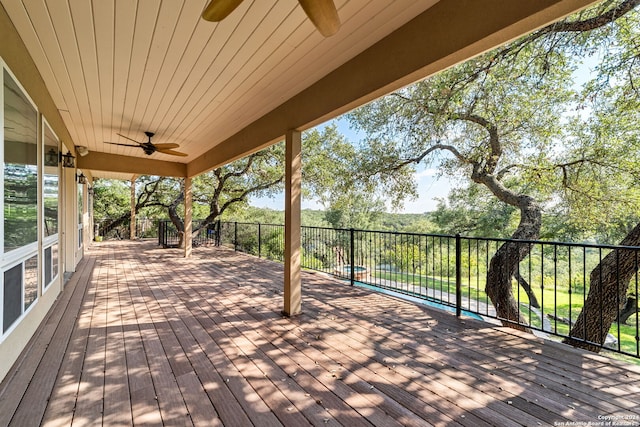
{"points": [[508, 120]]}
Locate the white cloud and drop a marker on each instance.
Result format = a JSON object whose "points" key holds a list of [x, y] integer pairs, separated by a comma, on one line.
{"points": [[429, 172]]}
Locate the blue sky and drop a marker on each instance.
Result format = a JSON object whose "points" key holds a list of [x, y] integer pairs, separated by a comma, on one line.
{"points": [[430, 187]]}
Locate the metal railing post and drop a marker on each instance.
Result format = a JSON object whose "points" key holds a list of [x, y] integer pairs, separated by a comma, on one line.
{"points": [[352, 256], [259, 240], [235, 236], [165, 231], [458, 276]]}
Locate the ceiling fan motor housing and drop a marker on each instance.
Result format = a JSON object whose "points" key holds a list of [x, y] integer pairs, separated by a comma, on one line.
{"points": [[148, 148]]}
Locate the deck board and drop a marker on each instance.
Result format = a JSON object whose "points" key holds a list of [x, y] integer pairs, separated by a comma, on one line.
{"points": [[42, 361], [157, 339], [117, 405]]}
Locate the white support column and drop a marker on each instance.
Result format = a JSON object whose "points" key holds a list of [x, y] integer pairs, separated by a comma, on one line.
{"points": [[188, 211], [132, 224], [293, 180]]}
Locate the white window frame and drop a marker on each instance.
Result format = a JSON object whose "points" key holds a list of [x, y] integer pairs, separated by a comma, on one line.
{"points": [[23, 312], [46, 286], [49, 241], [19, 255], [80, 188]]}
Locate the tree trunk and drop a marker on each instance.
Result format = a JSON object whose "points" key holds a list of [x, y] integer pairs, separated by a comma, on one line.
{"points": [[504, 265], [609, 283], [630, 308], [533, 301], [175, 218]]}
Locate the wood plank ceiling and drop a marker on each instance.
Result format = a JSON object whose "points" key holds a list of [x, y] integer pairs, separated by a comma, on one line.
{"points": [[120, 66]]}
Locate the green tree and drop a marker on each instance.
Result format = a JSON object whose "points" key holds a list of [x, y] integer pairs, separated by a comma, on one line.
{"points": [[484, 126], [225, 191], [330, 173], [473, 211], [229, 186], [613, 130], [112, 199], [499, 120]]}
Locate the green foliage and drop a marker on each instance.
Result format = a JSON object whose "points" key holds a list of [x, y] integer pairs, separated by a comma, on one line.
{"points": [[354, 210], [473, 211], [330, 171], [327, 163], [444, 121], [254, 215], [112, 198], [228, 187], [407, 257], [273, 244], [572, 148], [409, 223]]}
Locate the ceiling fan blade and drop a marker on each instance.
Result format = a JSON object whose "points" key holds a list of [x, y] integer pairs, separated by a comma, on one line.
{"points": [[166, 146], [124, 145], [130, 139], [172, 152], [323, 14], [217, 10]]}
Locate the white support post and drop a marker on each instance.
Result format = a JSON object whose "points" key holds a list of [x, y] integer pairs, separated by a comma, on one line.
{"points": [[132, 223], [293, 180], [188, 211]]}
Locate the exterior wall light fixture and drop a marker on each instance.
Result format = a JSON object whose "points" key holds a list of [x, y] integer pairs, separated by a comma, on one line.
{"points": [[67, 160], [51, 157]]}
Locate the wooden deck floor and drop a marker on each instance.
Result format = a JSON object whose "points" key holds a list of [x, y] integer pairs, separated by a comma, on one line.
{"points": [[144, 337]]}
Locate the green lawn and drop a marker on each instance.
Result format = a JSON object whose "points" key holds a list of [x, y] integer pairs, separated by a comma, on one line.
{"points": [[555, 301]]}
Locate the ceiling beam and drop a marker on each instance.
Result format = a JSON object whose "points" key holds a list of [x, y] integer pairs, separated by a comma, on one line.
{"points": [[448, 33], [133, 165]]}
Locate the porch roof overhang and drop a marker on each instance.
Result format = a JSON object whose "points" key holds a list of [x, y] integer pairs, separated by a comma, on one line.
{"points": [[225, 90]]}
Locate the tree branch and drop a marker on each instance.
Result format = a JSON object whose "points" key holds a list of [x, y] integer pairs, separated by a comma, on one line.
{"points": [[245, 169], [565, 26], [216, 211], [417, 159], [248, 191], [591, 23], [146, 195]]}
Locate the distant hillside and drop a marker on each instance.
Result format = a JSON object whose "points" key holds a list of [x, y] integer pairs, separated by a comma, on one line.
{"points": [[418, 223]]}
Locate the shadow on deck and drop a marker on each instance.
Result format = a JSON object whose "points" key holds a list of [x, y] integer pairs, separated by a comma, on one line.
{"points": [[142, 336]]}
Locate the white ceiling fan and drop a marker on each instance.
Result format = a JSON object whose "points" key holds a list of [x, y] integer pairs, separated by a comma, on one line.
{"points": [[322, 13]]}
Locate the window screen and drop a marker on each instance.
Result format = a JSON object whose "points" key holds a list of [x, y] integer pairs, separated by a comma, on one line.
{"points": [[12, 292]]}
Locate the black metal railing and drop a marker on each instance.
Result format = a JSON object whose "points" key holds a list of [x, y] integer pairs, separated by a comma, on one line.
{"points": [[112, 228], [170, 237], [550, 284]]}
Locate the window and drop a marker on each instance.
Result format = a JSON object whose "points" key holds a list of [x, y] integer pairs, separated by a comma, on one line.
{"points": [[50, 197], [80, 213], [19, 260], [20, 291], [20, 167], [12, 297], [30, 281], [80, 204], [51, 183], [50, 264]]}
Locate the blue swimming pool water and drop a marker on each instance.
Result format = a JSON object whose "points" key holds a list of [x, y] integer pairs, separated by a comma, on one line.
{"points": [[422, 301]]}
